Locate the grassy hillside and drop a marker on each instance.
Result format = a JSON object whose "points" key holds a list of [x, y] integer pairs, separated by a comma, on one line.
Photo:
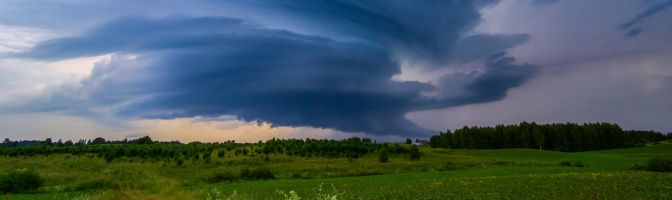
{"points": [[439, 174]]}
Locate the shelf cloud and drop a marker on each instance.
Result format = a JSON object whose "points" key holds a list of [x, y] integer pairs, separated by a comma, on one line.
{"points": [[340, 77]]}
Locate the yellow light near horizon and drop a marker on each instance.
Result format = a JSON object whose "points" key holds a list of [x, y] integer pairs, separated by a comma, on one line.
{"points": [[194, 129]]}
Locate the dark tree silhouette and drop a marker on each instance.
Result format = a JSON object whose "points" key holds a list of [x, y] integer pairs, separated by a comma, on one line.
{"points": [[557, 137]]}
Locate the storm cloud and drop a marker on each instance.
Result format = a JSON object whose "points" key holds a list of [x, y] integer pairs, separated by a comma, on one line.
{"points": [[338, 76], [654, 8]]}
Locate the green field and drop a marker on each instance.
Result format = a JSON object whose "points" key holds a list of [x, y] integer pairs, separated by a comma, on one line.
{"points": [[473, 174]]}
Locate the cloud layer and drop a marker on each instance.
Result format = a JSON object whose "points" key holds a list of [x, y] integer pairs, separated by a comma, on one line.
{"points": [[337, 74]]}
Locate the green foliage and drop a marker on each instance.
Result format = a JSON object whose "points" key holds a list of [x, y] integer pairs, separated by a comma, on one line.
{"points": [[660, 164], [415, 153], [257, 174], [94, 184], [579, 164], [409, 141], [447, 166], [567, 137], [216, 194], [21, 180], [384, 156], [320, 194], [565, 163], [222, 176], [483, 174], [638, 166], [144, 140], [98, 140]]}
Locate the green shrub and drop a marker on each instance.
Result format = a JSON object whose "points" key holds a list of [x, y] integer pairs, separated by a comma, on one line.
{"points": [[579, 164], [219, 177], [638, 166], [415, 153], [257, 174], [566, 163], [21, 180], [94, 184], [502, 162], [447, 166], [384, 157], [660, 164]]}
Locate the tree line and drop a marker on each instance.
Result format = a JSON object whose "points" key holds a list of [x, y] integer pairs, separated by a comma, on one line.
{"points": [[566, 137], [146, 148], [99, 140]]}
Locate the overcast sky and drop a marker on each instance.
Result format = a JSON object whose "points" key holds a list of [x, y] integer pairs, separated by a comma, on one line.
{"points": [[252, 70]]}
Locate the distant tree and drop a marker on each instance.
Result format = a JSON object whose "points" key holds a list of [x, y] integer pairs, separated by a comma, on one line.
{"points": [[143, 140], [47, 141], [538, 137], [6, 141], [68, 143], [409, 141], [98, 140]]}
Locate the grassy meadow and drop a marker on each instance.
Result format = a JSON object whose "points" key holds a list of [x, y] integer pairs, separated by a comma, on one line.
{"points": [[438, 174]]}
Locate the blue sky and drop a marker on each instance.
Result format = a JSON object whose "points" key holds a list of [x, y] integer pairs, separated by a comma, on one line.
{"points": [[387, 69]]}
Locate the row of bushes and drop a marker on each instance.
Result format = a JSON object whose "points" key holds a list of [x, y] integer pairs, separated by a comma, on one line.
{"points": [[147, 149], [384, 155], [245, 174]]}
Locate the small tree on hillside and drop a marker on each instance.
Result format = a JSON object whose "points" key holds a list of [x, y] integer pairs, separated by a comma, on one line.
{"points": [[409, 141]]}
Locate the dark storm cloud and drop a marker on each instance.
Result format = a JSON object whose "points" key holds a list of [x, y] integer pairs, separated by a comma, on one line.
{"points": [[633, 32], [501, 73], [213, 66], [653, 9], [650, 11], [424, 31]]}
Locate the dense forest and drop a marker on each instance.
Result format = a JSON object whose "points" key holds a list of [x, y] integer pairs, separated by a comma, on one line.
{"points": [[568, 137]]}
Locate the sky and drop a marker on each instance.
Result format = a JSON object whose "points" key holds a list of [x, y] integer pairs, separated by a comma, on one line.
{"points": [[250, 70]]}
